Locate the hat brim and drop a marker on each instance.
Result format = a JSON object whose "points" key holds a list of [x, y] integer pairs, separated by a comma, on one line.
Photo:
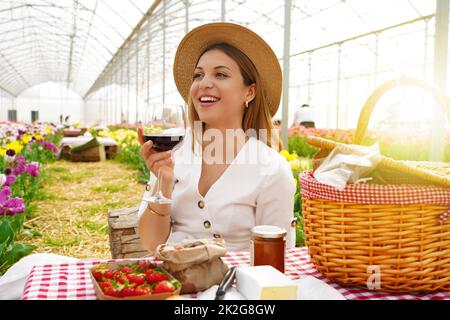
{"points": [[257, 50]]}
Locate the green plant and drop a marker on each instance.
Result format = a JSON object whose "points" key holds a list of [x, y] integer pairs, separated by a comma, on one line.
{"points": [[11, 252], [298, 144], [300, 236], [129, 154]]}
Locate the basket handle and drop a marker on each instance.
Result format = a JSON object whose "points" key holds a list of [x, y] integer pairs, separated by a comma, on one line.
{"points": [[369, 106]]}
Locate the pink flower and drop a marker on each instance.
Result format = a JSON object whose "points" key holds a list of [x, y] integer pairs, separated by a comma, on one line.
{"points": [[33, 170], [19, 170], [10, 180], [12, 206], [4, 193]]}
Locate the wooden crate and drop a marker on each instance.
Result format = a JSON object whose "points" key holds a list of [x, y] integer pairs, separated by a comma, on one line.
{"points": [[111, 151], [65, 153], [123, 238], [72, 132], [92, 154]]}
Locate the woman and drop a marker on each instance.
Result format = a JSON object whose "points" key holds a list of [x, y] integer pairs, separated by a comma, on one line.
{"points": [[231, 81]]}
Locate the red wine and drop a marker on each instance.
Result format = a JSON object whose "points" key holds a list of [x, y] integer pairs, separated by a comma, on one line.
{"points": [[164, 142]]}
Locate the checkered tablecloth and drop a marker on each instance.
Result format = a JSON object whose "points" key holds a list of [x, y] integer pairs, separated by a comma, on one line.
{"points": [[71, 281]]}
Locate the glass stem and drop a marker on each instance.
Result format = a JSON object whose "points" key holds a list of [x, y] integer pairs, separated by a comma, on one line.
{"points": [[158, 187]]}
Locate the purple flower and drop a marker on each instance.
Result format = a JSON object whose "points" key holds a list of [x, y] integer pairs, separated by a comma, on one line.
{"points": [[10, 180], [20, 160], [12, 206], [8, 171], [49, 146], [33, 170], [19, 169], [4, 194]]}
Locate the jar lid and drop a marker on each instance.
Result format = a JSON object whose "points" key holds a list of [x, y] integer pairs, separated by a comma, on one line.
{"points": [[271, 232]]}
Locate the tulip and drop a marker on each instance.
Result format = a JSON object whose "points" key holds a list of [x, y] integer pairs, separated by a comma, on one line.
{"points": [[33, 170]]}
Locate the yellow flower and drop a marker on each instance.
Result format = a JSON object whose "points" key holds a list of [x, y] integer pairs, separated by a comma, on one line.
{"points": [[132, 134], [16, 146], [26, 138], [295, 164], [2, 152], [48, 130], [39, 137], [292, 156], [285, 153]]}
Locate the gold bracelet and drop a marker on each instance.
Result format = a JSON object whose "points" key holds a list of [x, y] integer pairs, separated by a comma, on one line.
{"points": [[157, 213]]}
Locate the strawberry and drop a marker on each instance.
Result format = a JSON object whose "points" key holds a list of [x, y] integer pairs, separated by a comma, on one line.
{"points": [[97, 275], [105, 285], [127, 292], [109, 274], [121, 278], [155, 277], [112, 292], [143, 290], [149, 272], [127, 269], [144, 266], [164, 286], [136, 278]]}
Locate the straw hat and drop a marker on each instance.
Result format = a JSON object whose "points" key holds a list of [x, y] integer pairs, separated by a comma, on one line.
{"points": [[252, 45]]}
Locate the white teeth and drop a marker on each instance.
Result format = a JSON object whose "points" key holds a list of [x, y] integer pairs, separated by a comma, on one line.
{"points": [[208, 99]]}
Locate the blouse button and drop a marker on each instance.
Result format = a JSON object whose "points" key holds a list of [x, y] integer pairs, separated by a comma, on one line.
{"points": [[201, 204], [207, 224]]}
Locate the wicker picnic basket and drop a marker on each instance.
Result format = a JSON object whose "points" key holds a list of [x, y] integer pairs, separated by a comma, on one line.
{"points": [[392, 228]]}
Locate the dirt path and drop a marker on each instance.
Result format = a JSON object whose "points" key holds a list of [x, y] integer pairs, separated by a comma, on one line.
{"points": [[70, 215]]}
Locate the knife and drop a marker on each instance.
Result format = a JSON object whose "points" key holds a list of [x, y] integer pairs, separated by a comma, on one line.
{"points": [[226, 283]]}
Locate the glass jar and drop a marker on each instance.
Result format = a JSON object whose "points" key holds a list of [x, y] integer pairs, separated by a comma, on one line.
{"points": [[268, 246]]}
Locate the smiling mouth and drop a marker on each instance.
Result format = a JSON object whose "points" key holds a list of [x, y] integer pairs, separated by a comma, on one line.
{"points": [[208, 101]]}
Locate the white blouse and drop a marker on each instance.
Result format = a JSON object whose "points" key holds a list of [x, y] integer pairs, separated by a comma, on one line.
{"points": [[257, 188]]}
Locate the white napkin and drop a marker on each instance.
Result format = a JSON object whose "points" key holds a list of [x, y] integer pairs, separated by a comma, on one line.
{"points": [[311, 288], [347, 164], [210, 294]]}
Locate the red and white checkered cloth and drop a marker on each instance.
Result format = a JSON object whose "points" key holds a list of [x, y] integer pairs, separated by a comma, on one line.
{"points": [[71, 281], [374, 193]]}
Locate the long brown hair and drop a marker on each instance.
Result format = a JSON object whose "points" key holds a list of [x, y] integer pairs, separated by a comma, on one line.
{"points": [[257, 116]]}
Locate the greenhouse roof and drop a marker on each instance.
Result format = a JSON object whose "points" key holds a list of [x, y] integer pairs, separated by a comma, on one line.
{"points": [[73, 41], [62, 41]]}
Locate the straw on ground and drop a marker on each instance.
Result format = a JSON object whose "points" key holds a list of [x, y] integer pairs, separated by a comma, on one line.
{"points": [[70, 215]]}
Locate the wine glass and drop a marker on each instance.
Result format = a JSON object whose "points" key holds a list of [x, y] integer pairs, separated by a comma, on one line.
{"points": [[165, 125]]}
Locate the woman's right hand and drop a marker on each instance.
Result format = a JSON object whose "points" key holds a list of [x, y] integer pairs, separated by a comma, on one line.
{"points": [[157, 160]]}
